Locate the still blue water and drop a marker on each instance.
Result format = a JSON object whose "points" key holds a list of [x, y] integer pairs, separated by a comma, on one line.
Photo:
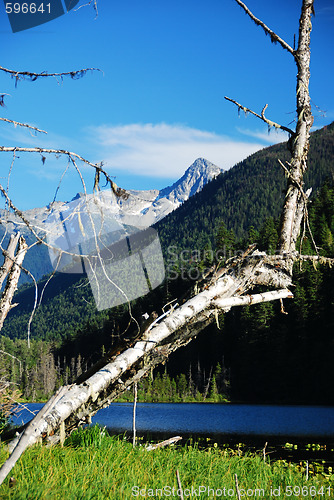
{"points": [[209, 419]]}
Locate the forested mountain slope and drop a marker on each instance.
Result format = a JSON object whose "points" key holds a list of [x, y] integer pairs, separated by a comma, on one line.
{"points": [[254, 354], [242, 197], [246, 194], [258, 354], [138, 209]]}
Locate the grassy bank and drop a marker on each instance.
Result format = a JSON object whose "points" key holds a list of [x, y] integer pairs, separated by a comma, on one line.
{"points": [[93, 465]]}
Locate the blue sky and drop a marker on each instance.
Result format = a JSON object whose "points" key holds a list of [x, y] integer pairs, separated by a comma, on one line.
{"points": [[158, 103]]}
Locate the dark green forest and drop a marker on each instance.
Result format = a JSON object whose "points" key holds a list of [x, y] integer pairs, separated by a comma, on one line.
{"points": [[253, 354]]}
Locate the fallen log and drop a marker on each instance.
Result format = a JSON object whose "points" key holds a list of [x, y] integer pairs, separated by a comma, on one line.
{"points": [[77, 403], [30, 430], [162, 444]]}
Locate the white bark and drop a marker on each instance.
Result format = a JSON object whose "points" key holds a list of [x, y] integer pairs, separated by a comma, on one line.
{"points": [[226, 304], [23, 442], [81, 400], [167, 442], [13, 278], [9, 255], [135, 393], [294, 205]]}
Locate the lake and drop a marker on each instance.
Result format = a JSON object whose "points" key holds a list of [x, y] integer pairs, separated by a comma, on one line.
{"points": [[311, 423], [226, 425]]}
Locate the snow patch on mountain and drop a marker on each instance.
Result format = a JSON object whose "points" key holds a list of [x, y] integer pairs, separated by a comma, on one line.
{"points": [[193, 180], [140, 209]]}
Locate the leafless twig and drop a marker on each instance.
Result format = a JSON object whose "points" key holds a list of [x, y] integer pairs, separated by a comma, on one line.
{"points": [[237, 486], [179, 483], [94, 2], [273, 36], [14, 357], [135, 395], [262, 117], [29, 75], [98, 167], [2, 99], [15, 123]]}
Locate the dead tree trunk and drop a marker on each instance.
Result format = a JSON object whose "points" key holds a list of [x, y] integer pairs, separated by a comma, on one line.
{"points": [[9, 255], [12, 269], [79, 402], [295, 199], [294, 208]]}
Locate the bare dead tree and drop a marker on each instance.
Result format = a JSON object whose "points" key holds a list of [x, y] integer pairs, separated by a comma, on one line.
{"points": [[295, 204], [221, 290], [12, 263]]}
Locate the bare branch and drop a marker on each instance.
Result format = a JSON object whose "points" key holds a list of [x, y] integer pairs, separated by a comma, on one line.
{"points": [[98, 167], [9, 149], [274, 38], [32, 229], [15, 123], [262, 117], [34, 308], [297, 257], [293, 256], [20, 214], [317, 258], [94, 2], [226, 304], [28, 75]]}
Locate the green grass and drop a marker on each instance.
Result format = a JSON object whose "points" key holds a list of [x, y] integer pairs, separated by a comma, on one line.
{"points": [[93, 465]]}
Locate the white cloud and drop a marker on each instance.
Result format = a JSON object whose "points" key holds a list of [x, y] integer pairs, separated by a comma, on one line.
{"points": [[162, 150], [148, 150]]}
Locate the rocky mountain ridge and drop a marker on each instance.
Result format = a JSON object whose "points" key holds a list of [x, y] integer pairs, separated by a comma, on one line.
{"points": [[140, 209]]}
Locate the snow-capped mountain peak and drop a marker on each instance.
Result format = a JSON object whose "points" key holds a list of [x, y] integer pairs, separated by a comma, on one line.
{"points": [[145, 208], [193, 180], [111, 216], [141, 208]]}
